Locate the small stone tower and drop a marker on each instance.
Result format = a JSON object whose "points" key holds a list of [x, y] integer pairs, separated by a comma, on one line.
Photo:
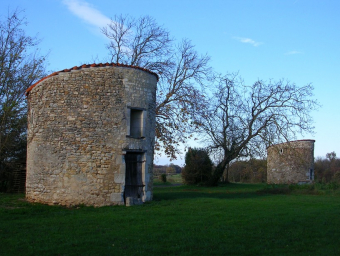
{"points": [[291, 162], [91, 133]]}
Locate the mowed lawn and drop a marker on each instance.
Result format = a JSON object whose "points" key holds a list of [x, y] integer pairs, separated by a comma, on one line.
{"points": [[182, 220]]}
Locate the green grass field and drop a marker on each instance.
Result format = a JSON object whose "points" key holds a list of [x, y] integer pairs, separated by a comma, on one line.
{"points": [[233, 219], [171, 179]]}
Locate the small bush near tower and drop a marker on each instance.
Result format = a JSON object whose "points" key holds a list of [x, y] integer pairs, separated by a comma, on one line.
{"points": [[198, 167]]}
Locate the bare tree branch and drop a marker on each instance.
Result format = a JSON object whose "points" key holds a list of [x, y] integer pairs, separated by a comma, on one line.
{"points": [[182, 72], [263, 114], [20, 66]]}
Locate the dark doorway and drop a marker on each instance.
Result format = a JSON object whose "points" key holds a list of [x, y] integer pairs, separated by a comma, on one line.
{"points": [[133, 177], [311, 174]]}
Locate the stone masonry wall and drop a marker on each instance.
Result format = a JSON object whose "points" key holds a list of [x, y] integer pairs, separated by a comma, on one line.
{"points": [[77, 135], [291, 162]]}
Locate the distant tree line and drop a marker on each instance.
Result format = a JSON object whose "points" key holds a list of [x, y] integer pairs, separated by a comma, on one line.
{"points": [[247, 171], [166, 169], [327, 169]]}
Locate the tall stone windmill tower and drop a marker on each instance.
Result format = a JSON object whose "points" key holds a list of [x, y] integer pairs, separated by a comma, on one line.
{"points": [[91, 133]]}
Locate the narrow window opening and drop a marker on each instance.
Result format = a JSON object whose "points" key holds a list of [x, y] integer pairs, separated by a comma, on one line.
{"points": [[136, 123]]}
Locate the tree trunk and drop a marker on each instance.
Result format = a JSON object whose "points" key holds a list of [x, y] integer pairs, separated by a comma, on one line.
{"points": [[217, 173], [227, 174]]}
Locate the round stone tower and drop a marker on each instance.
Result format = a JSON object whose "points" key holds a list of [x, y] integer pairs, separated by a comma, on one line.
{"points": [[91, 133], [291, 162]]}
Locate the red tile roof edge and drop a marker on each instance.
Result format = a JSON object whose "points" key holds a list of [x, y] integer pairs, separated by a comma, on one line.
{"points": [[88, 66]]}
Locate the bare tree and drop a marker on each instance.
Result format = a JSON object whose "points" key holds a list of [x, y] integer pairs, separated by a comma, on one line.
{"points": [[181, 69], [331, 156], [243, 121], [140, 42], [20, 66], [180, 96]]}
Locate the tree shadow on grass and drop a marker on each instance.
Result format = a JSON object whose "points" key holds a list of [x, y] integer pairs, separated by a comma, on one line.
{"points": [[232, 191]]}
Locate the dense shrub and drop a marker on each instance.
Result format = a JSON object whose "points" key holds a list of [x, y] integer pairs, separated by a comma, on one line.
{"points": [[198, 167], [163, 177], [337, 177]]}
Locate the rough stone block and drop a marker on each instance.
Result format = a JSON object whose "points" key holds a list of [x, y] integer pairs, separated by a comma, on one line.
{"points": [[77, 134]]}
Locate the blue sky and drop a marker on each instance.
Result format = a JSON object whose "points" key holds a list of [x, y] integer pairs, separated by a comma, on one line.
{"points": [[297, 40]]}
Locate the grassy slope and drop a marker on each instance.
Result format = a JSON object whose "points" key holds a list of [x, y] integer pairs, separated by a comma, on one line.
{"points": [[184, 220]]}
